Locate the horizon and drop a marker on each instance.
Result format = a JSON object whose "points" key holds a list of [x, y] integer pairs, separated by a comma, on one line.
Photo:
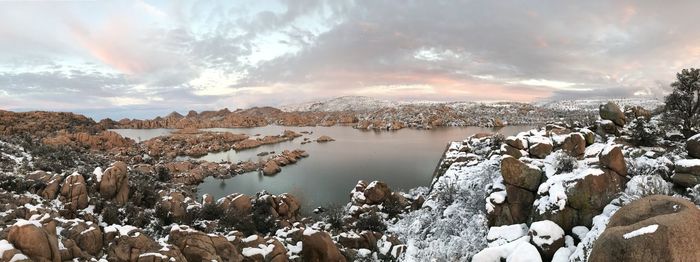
{"points": [[140, 59]]}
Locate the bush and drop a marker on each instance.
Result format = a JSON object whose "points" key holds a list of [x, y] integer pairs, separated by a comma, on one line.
{"points": [[694, 194], [110, 214], [16, 184], [684, 100], [163, 215], [144, 190], [334, 217], [645, 185], [563, 163], [370, 221], [448, 190], [237, 220], [393, 206], [262, 216], [210, 212], [497, 140], [643, 133]]}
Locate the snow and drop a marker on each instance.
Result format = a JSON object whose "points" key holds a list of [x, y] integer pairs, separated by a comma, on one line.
{"points": [[562, 255], [262, 250], [580, 231], [547, 232], [688, 163], [518, 250], [98, 174], [22, 222], [5, 246], [642, 231], [122, 230], [153, 254], [250, 238], [507, 233], [19, 257], [309, 231], [553, 191]]}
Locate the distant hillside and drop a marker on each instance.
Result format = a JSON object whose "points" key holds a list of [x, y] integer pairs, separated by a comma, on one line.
{"points": [[592, 104], [343, 103]]}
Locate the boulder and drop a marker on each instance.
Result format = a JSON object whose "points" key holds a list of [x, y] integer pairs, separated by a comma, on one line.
{"points": [[574, 145], [236, 201], [324, 139], [547, 237], [608, 127], [34, 241], [114, 184], [593, 192], [74, 192], [611, 157], [376, 192], [541, 150], [686, 172], [588, 135], [693, 146], [612, 112], [198, 246], [519, 174], [271, 168], [317, 246], [511, 151], [653, 228], [516, 142]]}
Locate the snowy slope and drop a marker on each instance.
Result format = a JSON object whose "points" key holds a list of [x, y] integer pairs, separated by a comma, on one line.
{"points": [[592, 104], [344, 103]]}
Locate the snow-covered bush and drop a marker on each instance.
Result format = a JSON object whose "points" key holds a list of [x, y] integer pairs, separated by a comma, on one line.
{"points": [[645, 185], [643, 132], [694, 194], [563, 163], [442, 232]]}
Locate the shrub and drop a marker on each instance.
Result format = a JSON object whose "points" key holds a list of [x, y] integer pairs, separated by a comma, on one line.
{"points": [[447, 190], [110, 214], [643, 133], [262, 216], [370, 221], [144, 190], [563, 163], [210, 212], [694, 194], [497, 140], [237, 220], [684, 100], [334, 217], [163, 215], [645, 185], [393, 206], [15, 184]]}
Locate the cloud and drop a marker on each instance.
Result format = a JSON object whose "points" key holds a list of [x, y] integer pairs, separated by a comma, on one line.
{"points": [[209, 54]]}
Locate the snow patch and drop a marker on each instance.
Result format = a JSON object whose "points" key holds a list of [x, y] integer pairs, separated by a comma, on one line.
{"points": [[642, 231]]}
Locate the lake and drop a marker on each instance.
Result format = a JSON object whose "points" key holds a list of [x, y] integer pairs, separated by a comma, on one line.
{"points": [[403, 159]]}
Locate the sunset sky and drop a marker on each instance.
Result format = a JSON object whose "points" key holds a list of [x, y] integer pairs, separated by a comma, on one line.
{"points": [[147, 58]]}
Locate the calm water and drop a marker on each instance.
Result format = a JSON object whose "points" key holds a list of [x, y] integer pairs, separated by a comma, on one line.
{"points": [[404, 159]]}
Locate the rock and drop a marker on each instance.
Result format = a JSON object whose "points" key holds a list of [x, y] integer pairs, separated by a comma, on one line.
{"points": [[547, 237], [519, 174], [317, 246], [653, 228], [634, 112], [511, 151], [516, 142], [611, 157], [686, 172], [34, 241], [114, 184], [74, 192], [588, 135], [612, 112], [376, 192], [174, 203], [129, 246], [324, 139], [693, 146], [87, 237], [198, 246], [238, 202], [540, 150], [608, 127], [574, 145], [271, 168], [592, 193]]}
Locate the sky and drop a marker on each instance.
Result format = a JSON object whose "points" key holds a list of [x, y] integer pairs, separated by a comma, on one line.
{"points": [[139, 59]]}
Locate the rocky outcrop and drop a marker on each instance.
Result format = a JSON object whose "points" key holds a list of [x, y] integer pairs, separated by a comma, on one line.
{"points": [[74, 192], [376, 192], [686, 172], [521, 182], [114, 183], [102, 141], [318, 246], [574, 145], [653, 228], [271, 168], [34, 241], [199, 246], [323, 139], [693, 146], [611, 157], [612, 112]]}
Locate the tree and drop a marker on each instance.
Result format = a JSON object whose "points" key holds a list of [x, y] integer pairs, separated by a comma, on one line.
{"points": [[685, 98]]}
